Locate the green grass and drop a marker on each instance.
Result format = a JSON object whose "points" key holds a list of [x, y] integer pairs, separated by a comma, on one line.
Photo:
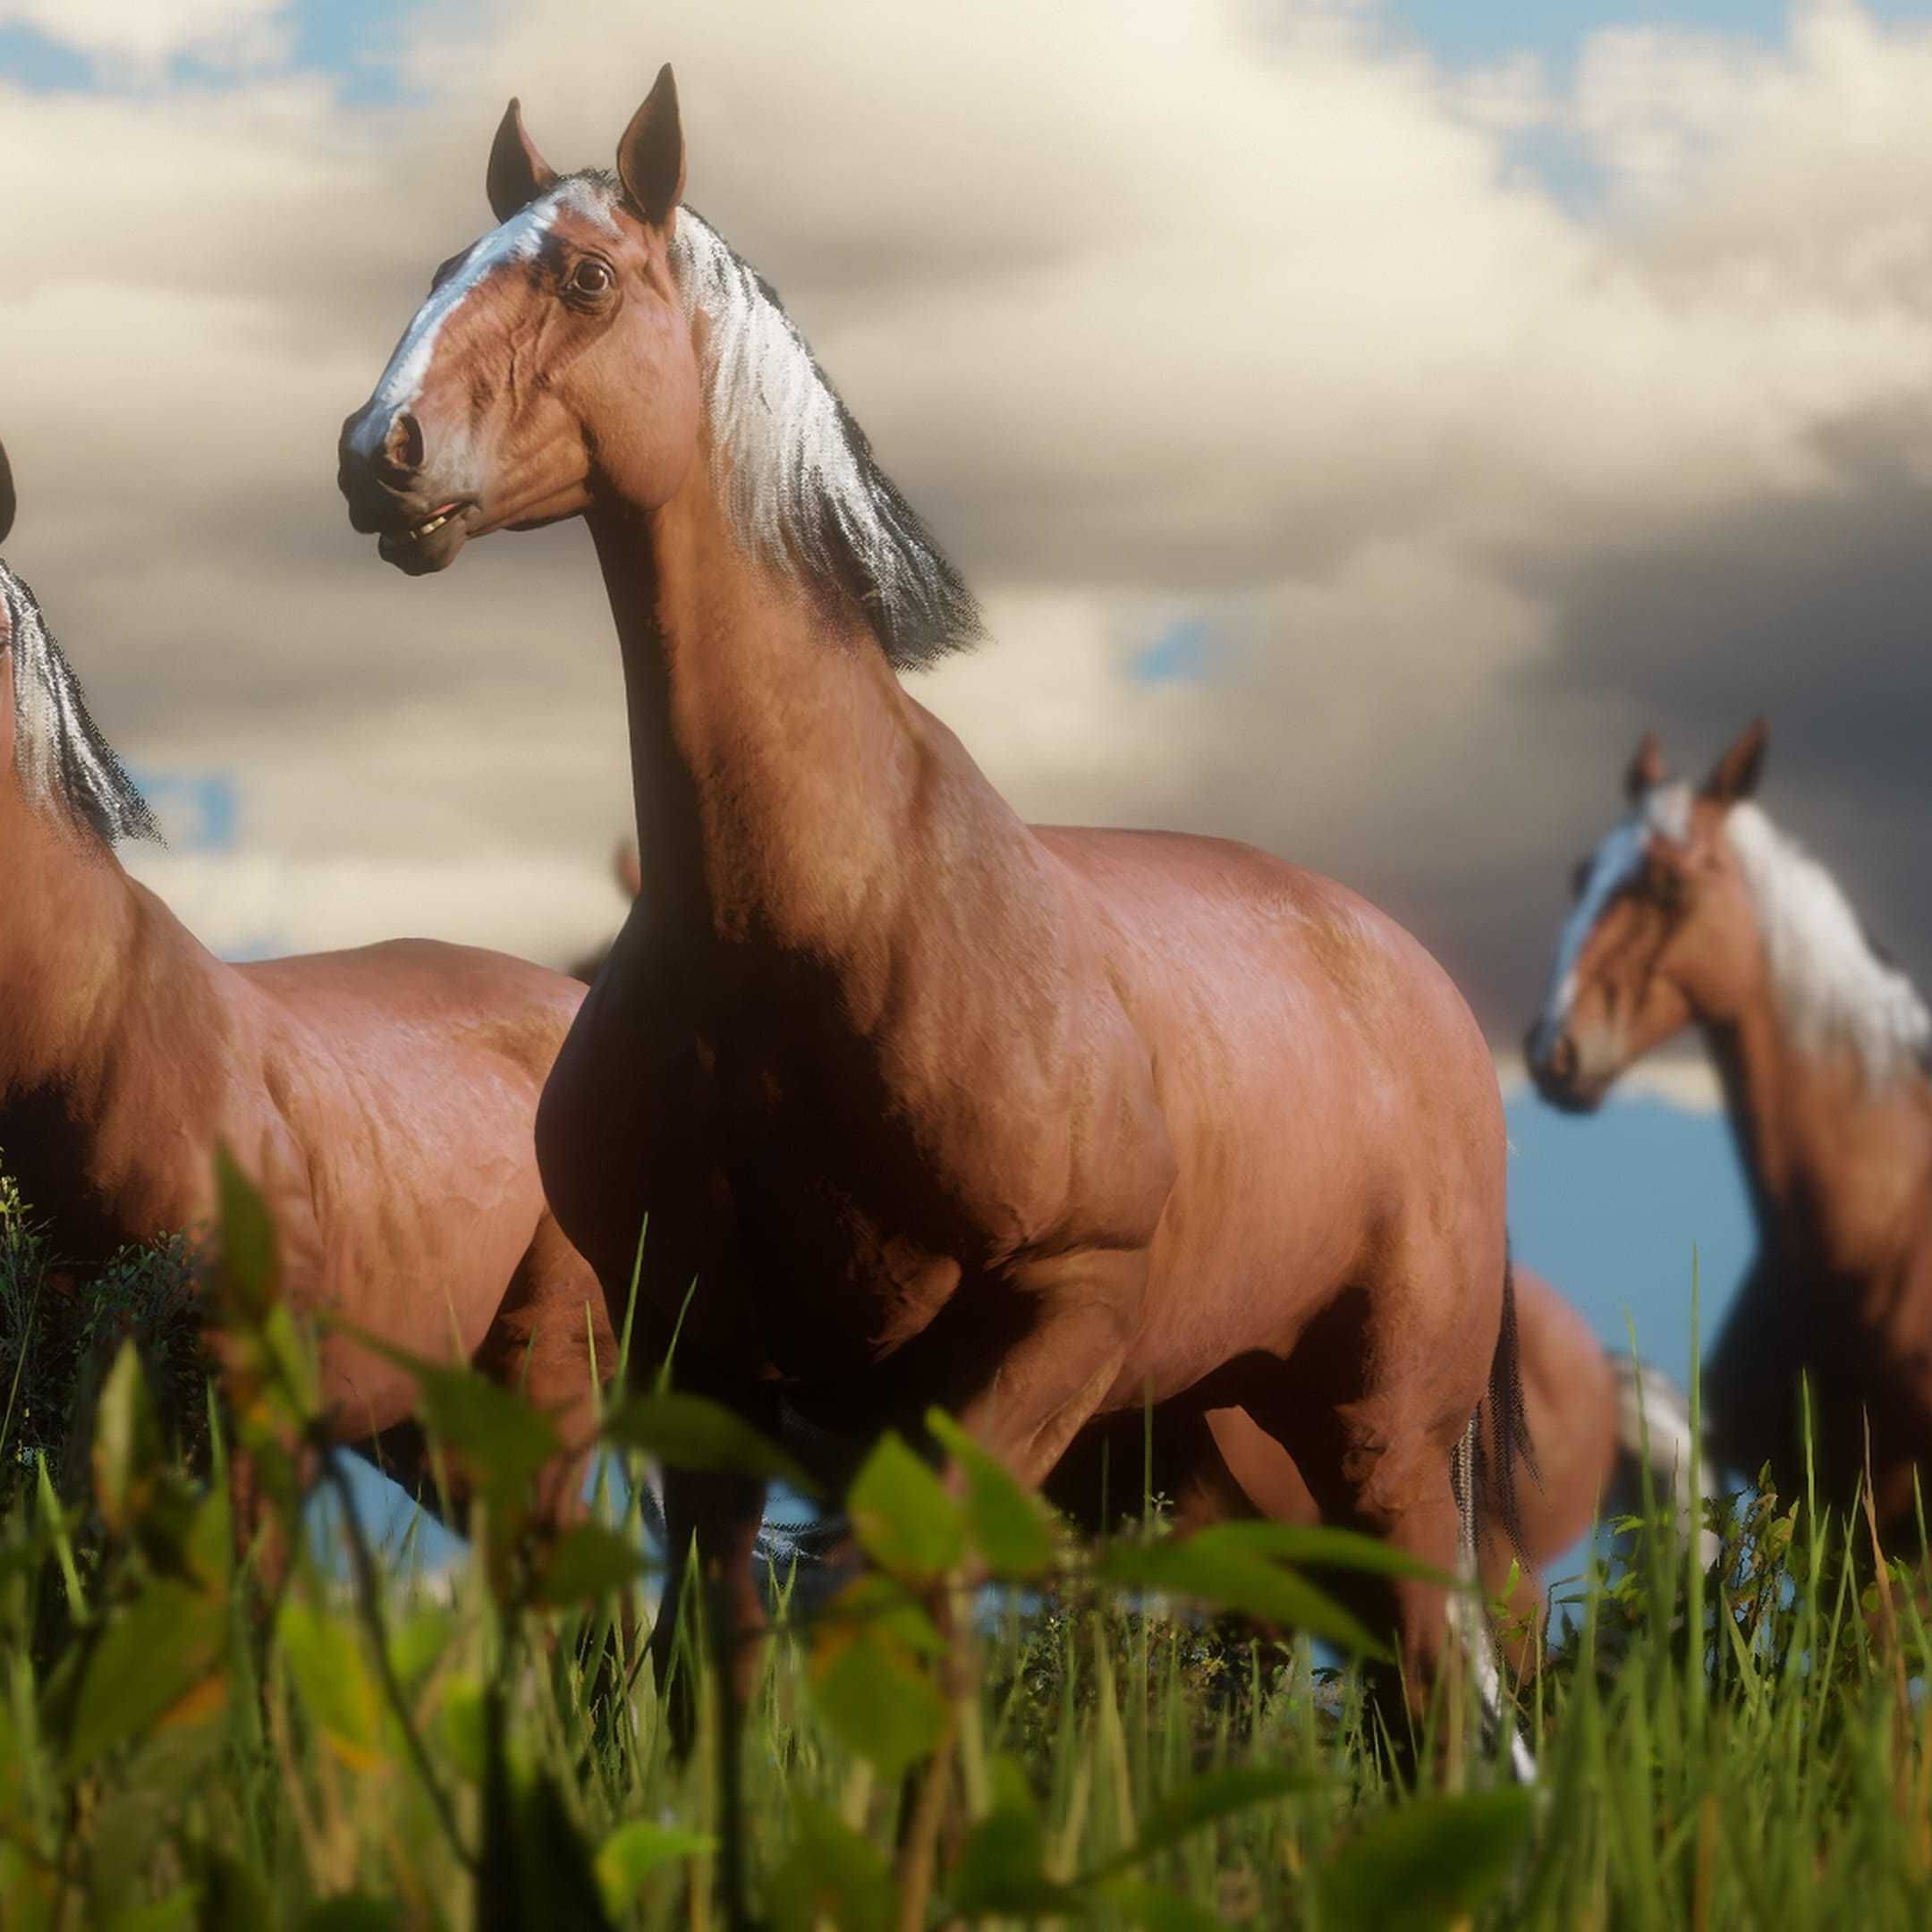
{"points": [[180, 1745]]}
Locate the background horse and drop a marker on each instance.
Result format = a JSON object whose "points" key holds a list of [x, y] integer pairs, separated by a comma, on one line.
{"points": [[1594, 1420], [382, 1099], [1695, 909], [932, 1105]]}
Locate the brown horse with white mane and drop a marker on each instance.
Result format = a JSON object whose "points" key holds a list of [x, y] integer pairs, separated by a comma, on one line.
{"points": [[1695, 909], [382, 1099], [934, 1106]]}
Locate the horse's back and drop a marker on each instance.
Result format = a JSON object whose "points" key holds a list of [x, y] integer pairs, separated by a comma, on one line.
{"points": [[395, 1099], [1222, 941], [426, 997]]}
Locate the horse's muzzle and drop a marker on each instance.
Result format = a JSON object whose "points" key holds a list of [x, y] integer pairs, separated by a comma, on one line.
{"points": [[1556, 1065], [420, 525]]}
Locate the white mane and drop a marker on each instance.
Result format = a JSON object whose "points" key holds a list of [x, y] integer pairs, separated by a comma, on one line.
{"points": [[797, 475], [59, 753], [1829, 983]]}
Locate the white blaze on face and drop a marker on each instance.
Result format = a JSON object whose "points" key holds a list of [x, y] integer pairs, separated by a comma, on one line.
{"points": [[518, 239], [1663, 811]]}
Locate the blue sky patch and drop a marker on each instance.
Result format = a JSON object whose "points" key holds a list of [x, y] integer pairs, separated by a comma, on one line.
{"points": [[1477, 32], [1178, 655]]}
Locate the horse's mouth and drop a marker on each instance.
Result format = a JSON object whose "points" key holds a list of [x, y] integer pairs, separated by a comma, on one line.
{"points": [[1573, 1095], [430, 543]]}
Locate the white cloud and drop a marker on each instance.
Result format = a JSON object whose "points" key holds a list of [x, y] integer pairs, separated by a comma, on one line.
{"points": [[135, 38]]}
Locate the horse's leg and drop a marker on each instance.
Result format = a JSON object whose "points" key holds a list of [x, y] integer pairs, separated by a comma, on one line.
{"points": [[716, 1517], [1373, 1409], [1027, 1402]]}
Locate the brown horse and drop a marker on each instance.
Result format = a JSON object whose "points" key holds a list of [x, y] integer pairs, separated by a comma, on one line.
{"points": [[383, 1098], [1594, 1420], [1695, 909], [932, 1105]]}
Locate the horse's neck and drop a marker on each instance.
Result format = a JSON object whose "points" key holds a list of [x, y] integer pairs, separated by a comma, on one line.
{"points": [[1836, 1164], [70, 920], [787, 788], [103, 999]]}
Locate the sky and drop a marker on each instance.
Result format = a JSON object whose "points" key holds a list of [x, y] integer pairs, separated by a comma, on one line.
{"points": [[1360, 420]]}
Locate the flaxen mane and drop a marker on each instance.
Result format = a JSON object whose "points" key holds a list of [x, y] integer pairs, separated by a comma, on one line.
{"points": [[798, 476], [1832, 986], [59, 752]]}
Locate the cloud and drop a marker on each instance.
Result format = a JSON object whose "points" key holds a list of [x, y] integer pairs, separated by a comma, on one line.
{"points": [[1168, 317], [134, 40]]}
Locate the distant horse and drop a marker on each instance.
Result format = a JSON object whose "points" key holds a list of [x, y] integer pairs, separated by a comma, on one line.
{"points": [[624, 870], [1695, 909], [931, 1106], [1593, 1419], [384, 1099]]}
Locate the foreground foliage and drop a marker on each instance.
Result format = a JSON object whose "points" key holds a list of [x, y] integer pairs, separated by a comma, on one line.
{"points": [[181, 1744]]}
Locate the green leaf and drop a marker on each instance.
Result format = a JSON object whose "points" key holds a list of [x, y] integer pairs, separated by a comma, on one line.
{"points": [[128, 1450], [250, 1270], [633, 1851], [586, 1563], [461, 1720], [881, 1601], [902, 1516], [1002, 1870], [1011, 1527], [1205, 1800], [325, 1659], [1226, 1573], [874, 1696], [1427, 1863], [498, 1438], [419, 1642], [148, 1662], [691, 1432], [1319, 1548], [830, 1875], [1153, 1910], [177, 1913], [27, 1891], [209, 1545]]}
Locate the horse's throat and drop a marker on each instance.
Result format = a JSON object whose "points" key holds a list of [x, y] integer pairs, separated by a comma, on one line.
{"points": [[774, 756]]}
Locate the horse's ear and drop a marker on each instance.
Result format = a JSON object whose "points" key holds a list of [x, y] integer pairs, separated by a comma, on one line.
{"points": [[1736, 773], [650, 158], [518, 173], [1646, 768], [6, 496], [630, 873]]}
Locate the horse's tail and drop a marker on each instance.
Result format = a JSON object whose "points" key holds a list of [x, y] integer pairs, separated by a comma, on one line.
{"points": [[1506, 1443], [1485, 1477], [1654, 1431]]}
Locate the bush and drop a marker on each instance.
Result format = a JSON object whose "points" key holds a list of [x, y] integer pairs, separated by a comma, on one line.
{"points": [[61, 1326]]}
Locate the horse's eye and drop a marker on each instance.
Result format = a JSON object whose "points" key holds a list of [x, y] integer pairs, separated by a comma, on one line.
{"points": [[1670, 889], [591, 277]]}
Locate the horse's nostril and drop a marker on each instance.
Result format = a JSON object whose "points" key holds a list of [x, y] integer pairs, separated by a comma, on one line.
{"points": [[403, 446], [1563, 1058]]}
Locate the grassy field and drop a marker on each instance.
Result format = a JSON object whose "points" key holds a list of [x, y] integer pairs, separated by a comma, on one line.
{"points": [[181, 1746]]}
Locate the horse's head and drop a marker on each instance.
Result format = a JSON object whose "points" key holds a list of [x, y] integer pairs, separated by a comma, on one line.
{"points": [[552, 365], [1664, 932]]}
